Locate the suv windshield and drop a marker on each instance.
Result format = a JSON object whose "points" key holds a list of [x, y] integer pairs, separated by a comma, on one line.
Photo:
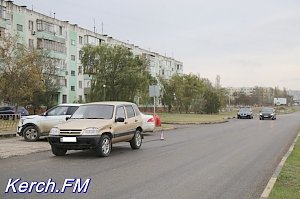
{"points": [[95, 111]]}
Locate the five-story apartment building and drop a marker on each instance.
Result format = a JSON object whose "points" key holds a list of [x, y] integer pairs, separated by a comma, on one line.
{"points": [[64, 40]]}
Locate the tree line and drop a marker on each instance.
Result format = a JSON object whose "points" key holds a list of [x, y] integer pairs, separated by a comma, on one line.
{"points": [[260, 97], [117, 74], [190, 93], [30, 76]]}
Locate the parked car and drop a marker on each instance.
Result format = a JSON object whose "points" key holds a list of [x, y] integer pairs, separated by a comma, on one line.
{"points": [[267, 113], [97, 126], [245, 112], [34, 126], [11, 111], [148, 123]]}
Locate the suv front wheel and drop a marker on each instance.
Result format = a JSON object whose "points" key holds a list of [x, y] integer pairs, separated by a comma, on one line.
{"points": [[31, 134], [136, 141], [104, 147]]}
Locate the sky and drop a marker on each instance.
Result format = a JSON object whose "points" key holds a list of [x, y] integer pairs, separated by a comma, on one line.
{"points": [[247, 43]]}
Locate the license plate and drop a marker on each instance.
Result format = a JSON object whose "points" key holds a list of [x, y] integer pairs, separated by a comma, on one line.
{"points": [[266, 116], [68, 139]]}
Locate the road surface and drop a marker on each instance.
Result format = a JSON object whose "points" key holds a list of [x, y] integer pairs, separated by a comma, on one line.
{"points": [[230, 160]]}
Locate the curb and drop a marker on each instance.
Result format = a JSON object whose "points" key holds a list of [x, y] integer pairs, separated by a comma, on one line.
{"points": [[7, 135], [276, 173], [196, 123], [159, 130]]}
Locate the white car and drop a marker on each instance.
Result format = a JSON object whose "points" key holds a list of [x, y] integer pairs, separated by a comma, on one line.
{"points": [[148, 123], [33, 126]]}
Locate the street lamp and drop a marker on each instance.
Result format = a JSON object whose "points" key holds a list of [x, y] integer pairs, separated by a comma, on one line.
{"points": [[104, 86], [174, 98]]}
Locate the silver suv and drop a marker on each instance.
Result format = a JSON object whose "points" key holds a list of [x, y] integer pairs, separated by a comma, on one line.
{"points": [[97, 126], [34, 126]]}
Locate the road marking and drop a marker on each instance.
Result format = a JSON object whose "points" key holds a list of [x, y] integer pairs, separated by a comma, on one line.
{"points": [[275, 175]]}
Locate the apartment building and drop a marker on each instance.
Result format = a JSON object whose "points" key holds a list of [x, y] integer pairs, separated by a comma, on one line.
{"points": [[64, 41], [245, 90]]}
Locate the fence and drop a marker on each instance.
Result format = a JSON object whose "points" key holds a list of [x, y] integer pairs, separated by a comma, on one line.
{"points": [[9, 121]]}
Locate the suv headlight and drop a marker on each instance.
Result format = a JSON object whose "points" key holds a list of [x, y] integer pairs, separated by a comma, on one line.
{"points": [[54, 131], [91, 131], [22, 119]]}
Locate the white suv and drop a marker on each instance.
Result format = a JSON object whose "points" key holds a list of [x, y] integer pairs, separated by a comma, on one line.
{"points": [[33, 126]]}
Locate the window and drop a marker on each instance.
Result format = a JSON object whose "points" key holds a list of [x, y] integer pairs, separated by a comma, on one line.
{"points": [[61, 81], [51, 45], [73, 57], [136, 109], [72, 72], [72, 42], [80, 54], [72, 88], [80, 39], [79, 70], [2, 12], [120, 112], [64, 99], [19, 27], [72, 109], [60, 30], [2, 32], [94, 111], [45, 26], [80, 98], [30, 43], [59, 110], [80, 84], [30, 25], [130, 111]]}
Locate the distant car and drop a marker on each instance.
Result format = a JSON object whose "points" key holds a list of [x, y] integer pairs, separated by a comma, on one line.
{"points": [[33, 126], [148, 123], [98, 126], [245, 112], [10, 111], [267, 113]]}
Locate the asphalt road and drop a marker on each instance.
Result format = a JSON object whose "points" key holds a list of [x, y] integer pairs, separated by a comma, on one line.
{"points": [[229, 160]]}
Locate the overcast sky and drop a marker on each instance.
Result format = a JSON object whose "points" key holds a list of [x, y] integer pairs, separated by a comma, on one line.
{"points": [[246, 42]]}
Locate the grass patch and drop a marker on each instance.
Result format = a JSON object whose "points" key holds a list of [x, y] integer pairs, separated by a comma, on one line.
{"points": [[287, 185], [194, 118]]}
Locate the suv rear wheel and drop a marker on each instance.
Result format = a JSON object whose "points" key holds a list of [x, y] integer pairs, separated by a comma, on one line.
{"points": [[104, 147], [136, 141], [31, 134]]}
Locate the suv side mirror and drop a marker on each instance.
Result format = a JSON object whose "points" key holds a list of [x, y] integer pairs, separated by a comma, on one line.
{"points": [[45, 114], [120, 119], [67, 118]]}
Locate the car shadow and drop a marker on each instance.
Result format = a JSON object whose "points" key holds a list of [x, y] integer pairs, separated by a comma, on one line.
{"points": [[91, 154]]}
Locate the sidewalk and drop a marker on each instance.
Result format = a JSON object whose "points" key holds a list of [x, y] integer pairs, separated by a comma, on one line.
{"points": [[7, 134], [16, 146]]}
